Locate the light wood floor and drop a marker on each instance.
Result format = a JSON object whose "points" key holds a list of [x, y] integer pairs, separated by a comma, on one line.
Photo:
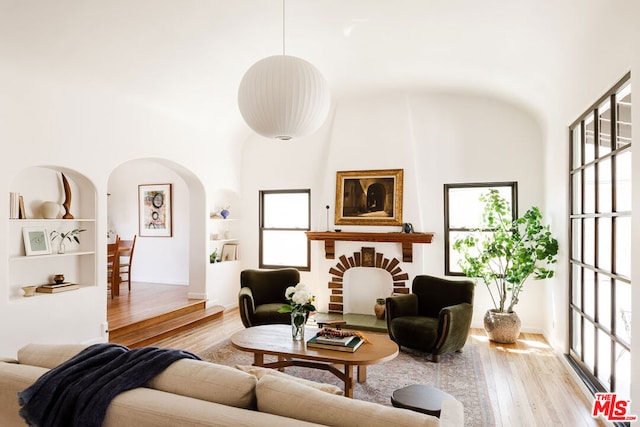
{"points": [[528, 384], [527, 381]]}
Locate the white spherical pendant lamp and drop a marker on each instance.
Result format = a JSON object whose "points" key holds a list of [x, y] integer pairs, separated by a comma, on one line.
{"points": [[283, 97]]}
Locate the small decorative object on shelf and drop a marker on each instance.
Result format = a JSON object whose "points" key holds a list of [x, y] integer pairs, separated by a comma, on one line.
{"points": [[67, 198], [29, 291], [50, 210], [71, 236], [380, 308], [224, 213], [36, 241], [58, 278], [214, 256], [229, 252], [300, 303]]}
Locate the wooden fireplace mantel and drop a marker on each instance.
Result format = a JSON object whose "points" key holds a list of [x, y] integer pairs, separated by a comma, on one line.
{"points": [[406, 239]]}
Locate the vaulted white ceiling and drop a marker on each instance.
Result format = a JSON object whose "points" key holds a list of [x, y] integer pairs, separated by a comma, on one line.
{"points": [[185, 58]]}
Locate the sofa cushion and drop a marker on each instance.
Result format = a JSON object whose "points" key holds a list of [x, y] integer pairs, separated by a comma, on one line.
{"points": [[143, 407], [48, 355], [287, 398], [207, 381], [13, 379], [192, 378], [259, 372]]}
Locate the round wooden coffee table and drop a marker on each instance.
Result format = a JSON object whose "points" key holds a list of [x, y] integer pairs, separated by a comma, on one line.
{"points": [[276, 340]]}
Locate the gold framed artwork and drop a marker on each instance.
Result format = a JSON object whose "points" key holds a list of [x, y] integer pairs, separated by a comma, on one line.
{"points": [[154, 210], [370, 197]]}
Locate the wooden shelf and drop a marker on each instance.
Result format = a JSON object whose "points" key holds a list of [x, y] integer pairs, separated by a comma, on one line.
{"points": [[51, 255], [406, 239]]}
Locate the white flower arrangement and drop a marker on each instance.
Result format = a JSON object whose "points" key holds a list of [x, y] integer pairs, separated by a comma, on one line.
{"points": [[300, 300]]}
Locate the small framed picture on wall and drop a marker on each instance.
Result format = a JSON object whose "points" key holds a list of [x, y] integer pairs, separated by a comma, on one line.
{"points": [[154, 210]]}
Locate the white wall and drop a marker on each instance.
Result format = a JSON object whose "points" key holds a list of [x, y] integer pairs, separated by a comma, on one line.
{"points": [[56, 119], [436, 138], [601, 60]]}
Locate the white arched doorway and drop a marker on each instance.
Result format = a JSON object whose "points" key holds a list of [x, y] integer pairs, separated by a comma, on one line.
{"points": [[166, 260]]}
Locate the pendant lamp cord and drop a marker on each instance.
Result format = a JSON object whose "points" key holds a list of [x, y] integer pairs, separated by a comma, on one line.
{"points": [[283, 28]]}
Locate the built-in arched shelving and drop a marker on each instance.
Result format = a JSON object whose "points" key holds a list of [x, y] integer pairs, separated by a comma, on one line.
{"points": [[37, 185]]}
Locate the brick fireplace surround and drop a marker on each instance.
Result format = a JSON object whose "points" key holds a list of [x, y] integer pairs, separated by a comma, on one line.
{"points": [[366, 257]]}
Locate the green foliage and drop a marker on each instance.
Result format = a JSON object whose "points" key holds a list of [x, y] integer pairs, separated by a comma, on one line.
{"points": [[71, 235], [214, 256], [504, 252]]}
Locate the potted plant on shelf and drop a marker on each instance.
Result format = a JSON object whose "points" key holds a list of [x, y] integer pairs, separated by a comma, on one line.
{"points": [[504, 253], [71, 236]]}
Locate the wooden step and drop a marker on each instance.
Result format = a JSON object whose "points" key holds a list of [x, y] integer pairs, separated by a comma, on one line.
{"points": [[145, 332], [157, 317]]}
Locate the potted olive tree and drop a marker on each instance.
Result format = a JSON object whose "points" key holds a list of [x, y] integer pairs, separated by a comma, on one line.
{"points": [[504, 253]]}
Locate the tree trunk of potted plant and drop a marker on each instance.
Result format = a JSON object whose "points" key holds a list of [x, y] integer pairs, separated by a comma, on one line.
{"points": [[504, 253]]}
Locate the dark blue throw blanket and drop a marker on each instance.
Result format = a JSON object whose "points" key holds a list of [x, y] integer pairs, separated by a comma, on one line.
{"points": [[78, 392]]}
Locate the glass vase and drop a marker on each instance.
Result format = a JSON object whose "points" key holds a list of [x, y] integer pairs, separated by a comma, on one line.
{"points": [[61, 247], [297, 326]]}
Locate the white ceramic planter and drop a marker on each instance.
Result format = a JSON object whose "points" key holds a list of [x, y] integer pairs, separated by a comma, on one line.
{"points": [[50, 210]]}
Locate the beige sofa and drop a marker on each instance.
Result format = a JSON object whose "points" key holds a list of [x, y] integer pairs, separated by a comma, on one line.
{"points": [[198, 393]]}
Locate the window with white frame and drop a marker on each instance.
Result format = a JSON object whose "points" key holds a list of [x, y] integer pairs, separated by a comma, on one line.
{"points": [[285, 215]]}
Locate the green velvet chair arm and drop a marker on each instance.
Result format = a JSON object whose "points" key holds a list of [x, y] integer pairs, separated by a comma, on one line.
{"points": [[399, 306], [453, 328], [247, 306]]}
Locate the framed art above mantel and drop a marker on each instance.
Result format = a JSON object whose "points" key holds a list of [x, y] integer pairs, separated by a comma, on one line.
{"points": [[370, 197]]}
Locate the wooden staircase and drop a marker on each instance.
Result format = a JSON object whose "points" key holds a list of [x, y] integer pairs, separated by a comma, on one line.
{"points": [[149, 315]]}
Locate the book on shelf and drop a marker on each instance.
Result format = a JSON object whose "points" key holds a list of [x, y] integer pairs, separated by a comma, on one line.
{"points": [[13, 205], [53, 288], [331, 340], [16, 206], [57, 285], [22, 214], [351, 347]]}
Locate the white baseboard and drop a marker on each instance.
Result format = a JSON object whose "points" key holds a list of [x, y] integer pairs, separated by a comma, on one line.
{"points": [[230, 307], [197, 295], [210, 303]]}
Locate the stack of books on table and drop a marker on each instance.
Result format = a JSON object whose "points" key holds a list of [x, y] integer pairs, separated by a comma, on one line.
{"points": [[348, 344], [59, 287]]}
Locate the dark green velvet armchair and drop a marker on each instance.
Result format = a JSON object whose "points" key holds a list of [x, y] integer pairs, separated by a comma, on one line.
{"points": [[262, 294], [435, 317]]}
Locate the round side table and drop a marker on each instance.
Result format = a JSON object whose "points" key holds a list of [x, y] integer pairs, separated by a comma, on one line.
{"points": [[420, 398]]}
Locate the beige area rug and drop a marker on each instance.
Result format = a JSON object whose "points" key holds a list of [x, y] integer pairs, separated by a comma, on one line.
{"points": [[459, 374]]}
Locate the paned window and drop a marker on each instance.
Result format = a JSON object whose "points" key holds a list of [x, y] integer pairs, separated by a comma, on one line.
{"points": [[285, 215], [463, 213], [600, 249]]}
